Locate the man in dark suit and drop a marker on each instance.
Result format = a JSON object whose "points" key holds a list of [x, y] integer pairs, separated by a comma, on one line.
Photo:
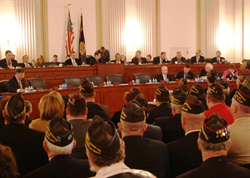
{"points": [[171, 126], [164, 75], [208, 68], [8, 61], [138, 59], [186, 73], [105, 56], [94, 108], [25, 143], [142, 153], [17, 83], [184, 154], [55, 60], [95, 60], [58, 143], [178, 58], [218, 58], [163, 108], [197, 58], [73, 60], [160, 59], [117, 59], [214, 143], [77, 116], [25, 62]]}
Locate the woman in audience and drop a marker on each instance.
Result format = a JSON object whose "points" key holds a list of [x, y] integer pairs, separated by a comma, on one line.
{"points": [[231, 73], [128, 96], [2, 105], [8, 167], [39, 61], [123, 58], [49, 106]]}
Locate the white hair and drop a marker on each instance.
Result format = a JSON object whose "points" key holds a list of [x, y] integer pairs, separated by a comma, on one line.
{"points": [[209, 65], [163, 67], [61, 150]]}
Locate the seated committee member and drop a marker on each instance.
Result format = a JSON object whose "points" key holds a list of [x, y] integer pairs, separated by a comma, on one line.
{"points": [[26, 144], [142, 153], [117, 59], [8, 61], [106, 152], [186, 73], [25, 63], [149, 57], [178, 58], [39, 61], [77, 116], [49, 106], [160, 59], [17, 83], [164, 75], [197, 58], [73, 60], [239, 152], [55, 60], [95, 60], [123, 58], [208, 68], [184, 154], [218, 58], [88, 92], [138, 59], [214, 143], [163, 108], [58, 143], [231, 73], [105, 56]]}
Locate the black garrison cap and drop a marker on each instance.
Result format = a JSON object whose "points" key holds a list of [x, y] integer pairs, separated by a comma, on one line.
{"points": [[86, 87], [178, 97], [193, 105], [215, 89], [242, 95]]}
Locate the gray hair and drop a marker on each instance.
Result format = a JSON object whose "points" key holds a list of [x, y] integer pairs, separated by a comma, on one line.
{"points": [[209, 65], [117, 54], [214, 146], [61, 150]]}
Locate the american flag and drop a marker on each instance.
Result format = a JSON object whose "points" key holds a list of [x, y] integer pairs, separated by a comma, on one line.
{"points": [[69, 42]]}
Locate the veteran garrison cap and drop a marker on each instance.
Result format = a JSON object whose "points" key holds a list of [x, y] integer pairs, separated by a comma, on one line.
{"points": [[241, 77], [135, 90], [141, 101], [197, 89], [223, 84], [246, 81], [102, 138], [76, 100], [214, 129], [242, 95], [193, 105], [183, 81], [162, 93], [86, 87], [215, 89], [212, 76], [178, 96], [132, 112], [15, 108], [59, 132]]}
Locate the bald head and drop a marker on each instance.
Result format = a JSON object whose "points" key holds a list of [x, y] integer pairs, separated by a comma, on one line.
{"points": [[239, 110], [164, 70], [132, 129], [208, 67], [192, 121]]}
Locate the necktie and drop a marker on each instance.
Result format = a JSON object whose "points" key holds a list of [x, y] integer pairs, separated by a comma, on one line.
{"points": [[8, 62], [20, 84]]}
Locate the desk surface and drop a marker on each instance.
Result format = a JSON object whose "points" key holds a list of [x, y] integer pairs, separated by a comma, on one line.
{"points": [[112, 96]]}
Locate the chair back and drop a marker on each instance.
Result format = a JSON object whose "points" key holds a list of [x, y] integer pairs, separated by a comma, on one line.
{"points": [[3, 86], [96, 79], [74, 81], [143, 77], [37, 83], [115, 78]]}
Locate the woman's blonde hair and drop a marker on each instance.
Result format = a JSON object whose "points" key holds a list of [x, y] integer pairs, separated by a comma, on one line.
{"points": [[39, 57], [50, 105]]}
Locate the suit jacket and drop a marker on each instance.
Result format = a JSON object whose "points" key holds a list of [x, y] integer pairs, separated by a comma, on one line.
{"points": [[214, 60], [163, 110], [147, 154], [194, 60], [203, 73], [184, 154], [171, 128], [69, 62], [57, 63], [93, 61], [62, 166], [217, 167], [136, 61], [13, 85], [183, 59], [98, 109], [105, 57], [3, 63], [159, 77], [156, 60], [27, 146], [23, 65], [122, 62], [181, 75], [80, 127]]}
